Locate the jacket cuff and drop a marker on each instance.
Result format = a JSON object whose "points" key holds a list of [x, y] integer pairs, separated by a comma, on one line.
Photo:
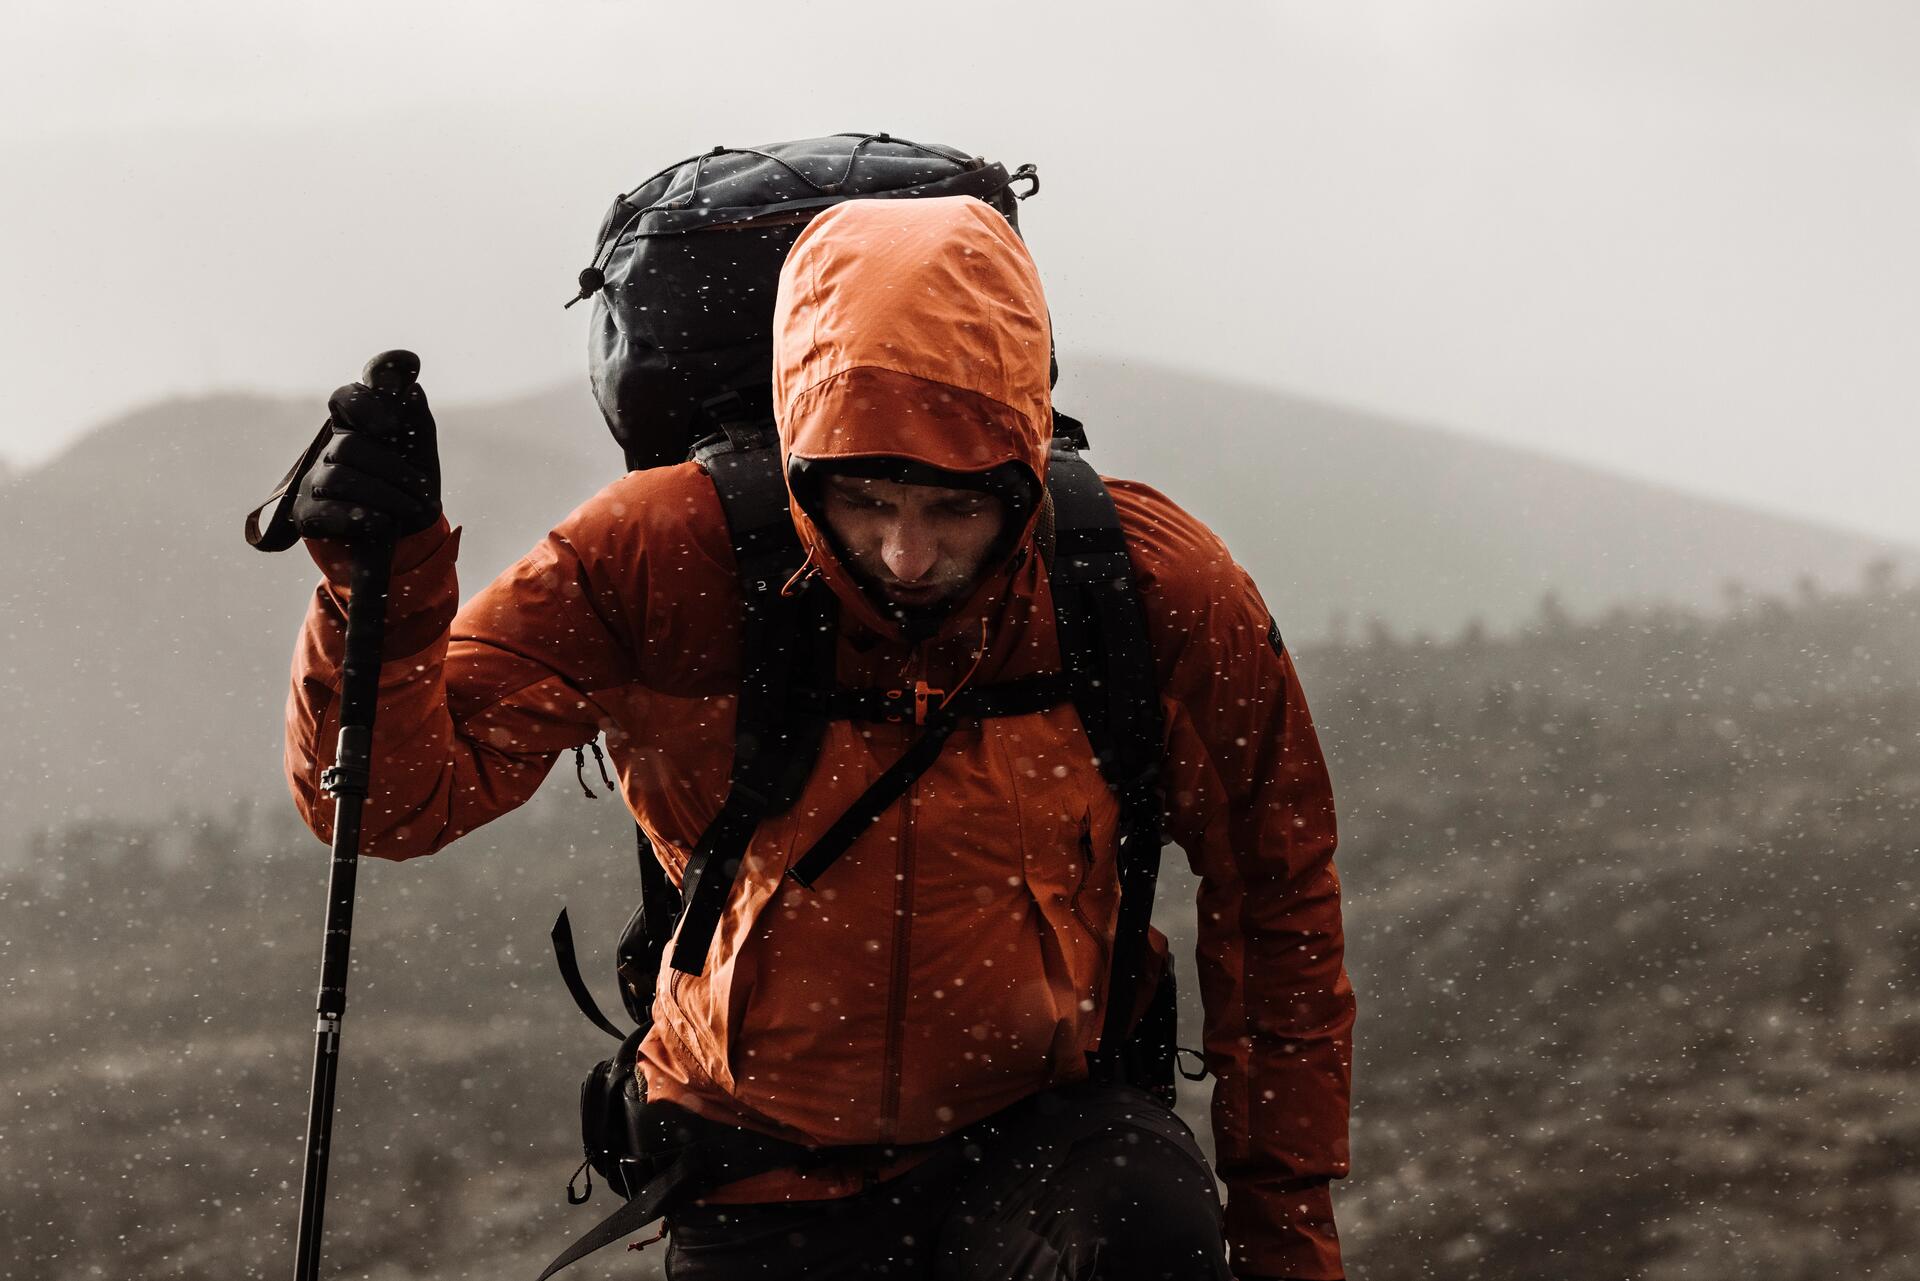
{"points": [[1283, 1228], [335, 558], [422, 590]]}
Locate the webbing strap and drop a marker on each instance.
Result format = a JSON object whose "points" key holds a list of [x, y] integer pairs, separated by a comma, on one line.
{"points": [[638, 959], [563, 952], [708, 1154], [646, 1206], [710, 874], [882, 793], [1103, 638], [1010, 698], [774, 746]]}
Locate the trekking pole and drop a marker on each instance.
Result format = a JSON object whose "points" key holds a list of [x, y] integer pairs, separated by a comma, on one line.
{"points": [[391, 373]]}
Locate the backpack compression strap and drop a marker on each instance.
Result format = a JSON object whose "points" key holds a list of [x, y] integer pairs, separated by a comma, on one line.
{"points": [[1103, 640]]}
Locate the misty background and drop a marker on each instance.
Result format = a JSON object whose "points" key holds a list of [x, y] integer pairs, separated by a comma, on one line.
{"points": [[1551, 366]]}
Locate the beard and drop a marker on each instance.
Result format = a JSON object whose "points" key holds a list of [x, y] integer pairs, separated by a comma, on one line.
{"points": [[917, 620]]}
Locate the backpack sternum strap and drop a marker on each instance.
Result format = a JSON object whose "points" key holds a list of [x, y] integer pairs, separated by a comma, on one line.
{"points": [[875, 801], [1019, 697]]}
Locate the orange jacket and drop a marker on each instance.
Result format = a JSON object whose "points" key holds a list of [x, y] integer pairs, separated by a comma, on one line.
{"points": [[954, 960]]}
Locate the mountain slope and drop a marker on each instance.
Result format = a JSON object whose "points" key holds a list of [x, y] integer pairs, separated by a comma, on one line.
{"points": [[145, 646], [1337, 511]]}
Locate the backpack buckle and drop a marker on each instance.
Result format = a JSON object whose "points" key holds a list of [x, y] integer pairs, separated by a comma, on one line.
{"points": [[921, 693]]}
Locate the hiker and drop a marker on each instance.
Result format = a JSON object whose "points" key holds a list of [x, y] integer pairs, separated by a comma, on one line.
{"points": [[947, 974]]}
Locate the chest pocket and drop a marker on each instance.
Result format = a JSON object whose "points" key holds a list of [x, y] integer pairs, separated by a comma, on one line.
{"points": [[1069, 836]]}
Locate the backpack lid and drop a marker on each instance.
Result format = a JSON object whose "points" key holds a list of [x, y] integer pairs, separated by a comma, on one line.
{"points": [[732, 185], [686, 266]]}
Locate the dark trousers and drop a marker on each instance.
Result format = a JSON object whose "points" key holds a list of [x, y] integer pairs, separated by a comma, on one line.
{"points": [[1087, 1183]]}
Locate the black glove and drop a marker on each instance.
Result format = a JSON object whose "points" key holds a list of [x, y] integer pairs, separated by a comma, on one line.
{"points": [[378, 474], [372, 472]]}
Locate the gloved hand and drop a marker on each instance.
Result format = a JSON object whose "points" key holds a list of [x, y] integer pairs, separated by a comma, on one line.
{"points": [[378, 474]]}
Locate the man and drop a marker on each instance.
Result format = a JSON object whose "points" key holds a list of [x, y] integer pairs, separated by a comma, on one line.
{"points": [[949, 971]]}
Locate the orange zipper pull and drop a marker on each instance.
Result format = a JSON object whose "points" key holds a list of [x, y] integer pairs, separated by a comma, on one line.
{"points": [[922, 692]]}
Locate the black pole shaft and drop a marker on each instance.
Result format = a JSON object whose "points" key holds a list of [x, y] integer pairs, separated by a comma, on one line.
{"points": [[347, 782]]}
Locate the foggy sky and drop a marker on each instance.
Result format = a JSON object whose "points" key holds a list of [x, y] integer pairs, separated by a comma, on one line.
{"points": [[1676, 240]]}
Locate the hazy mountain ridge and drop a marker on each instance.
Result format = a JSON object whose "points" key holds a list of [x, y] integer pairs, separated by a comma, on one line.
{"points": [[1343, 513], [1632, 921], [145, 647]]}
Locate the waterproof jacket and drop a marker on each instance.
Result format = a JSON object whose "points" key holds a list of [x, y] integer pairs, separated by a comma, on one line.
{"points": [[955, 959]]}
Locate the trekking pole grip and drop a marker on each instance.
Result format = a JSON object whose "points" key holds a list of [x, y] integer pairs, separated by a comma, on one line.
{"points": [[348, 781]]}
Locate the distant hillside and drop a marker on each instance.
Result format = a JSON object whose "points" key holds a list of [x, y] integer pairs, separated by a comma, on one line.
{"points": [[1634, 932], [1631, 910], [1340, 513], [145, 647]]}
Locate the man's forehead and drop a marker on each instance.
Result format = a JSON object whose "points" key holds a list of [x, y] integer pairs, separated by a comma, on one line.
{"points": [[881, 488]]}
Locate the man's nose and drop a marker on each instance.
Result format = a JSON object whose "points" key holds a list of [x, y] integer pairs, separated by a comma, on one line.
{"points": [[909, 551]]}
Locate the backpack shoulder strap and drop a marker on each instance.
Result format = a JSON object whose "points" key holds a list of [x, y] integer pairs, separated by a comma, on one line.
{"points": [[1104, 646], [643, 941], [775, 741]]}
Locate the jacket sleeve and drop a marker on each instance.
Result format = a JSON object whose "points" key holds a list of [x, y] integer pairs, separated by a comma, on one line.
{"points": [[1250, 801], [475, 706]]}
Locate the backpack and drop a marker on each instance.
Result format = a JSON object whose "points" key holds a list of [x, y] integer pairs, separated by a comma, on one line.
{"points": [[702, 389], [685, 266]]}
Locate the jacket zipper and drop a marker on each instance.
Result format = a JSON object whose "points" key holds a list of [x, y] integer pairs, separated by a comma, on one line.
{"points": [[1101, 944], [897, 990], [894, 1065]]}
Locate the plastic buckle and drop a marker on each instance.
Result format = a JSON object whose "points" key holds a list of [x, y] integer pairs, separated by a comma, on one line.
{"points": [[921, 693]]}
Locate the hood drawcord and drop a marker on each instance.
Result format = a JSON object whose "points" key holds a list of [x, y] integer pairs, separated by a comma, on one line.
{"points": [[580, 769], [978, 657], [801, 576]]}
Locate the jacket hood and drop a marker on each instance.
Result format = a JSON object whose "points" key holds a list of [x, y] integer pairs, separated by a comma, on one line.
{"points": [[913, 330]]}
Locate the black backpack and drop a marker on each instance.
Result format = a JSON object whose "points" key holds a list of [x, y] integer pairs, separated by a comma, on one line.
{"points": [[685, 266], [703, 390]]}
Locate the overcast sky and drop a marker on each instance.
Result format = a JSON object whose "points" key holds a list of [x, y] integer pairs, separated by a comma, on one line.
{"points": [[1674, 239]]}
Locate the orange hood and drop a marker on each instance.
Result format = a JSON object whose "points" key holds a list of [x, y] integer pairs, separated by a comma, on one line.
{"points": [[912, 329]]}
